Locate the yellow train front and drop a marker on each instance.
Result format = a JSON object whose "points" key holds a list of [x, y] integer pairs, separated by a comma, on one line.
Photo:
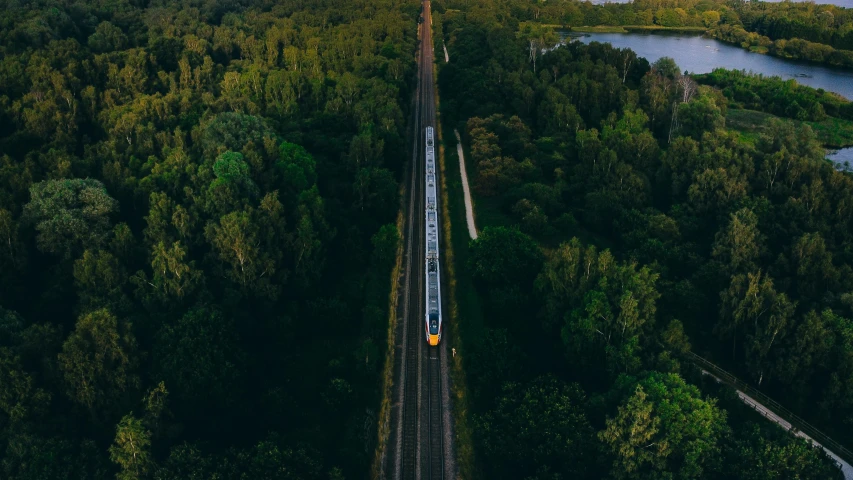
{"points": [[433, 332]]}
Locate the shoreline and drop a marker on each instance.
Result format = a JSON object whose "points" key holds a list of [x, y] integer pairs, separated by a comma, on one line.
{"points": [[708, 32]]}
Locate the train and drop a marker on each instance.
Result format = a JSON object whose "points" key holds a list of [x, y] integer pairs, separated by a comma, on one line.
{"points": [[433, 271]]}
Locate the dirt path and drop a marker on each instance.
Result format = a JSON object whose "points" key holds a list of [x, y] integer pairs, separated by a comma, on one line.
{"points": [[469, 205], [846, 468], [446, 55]]}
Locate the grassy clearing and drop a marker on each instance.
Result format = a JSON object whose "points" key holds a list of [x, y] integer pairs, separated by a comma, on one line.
{"points": [[634, 29], [453, 228], [658, 28], [750, 124], [599, 29]]}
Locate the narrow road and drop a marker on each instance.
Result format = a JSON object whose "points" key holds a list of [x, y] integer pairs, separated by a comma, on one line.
{"points": [[778, 414], [469, 205], [845, 467], [420, 432]]}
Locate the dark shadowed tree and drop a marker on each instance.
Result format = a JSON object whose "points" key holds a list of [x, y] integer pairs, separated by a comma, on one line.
{"points": [[70, 215], [200, 356], [538, 430], [98, 362]]}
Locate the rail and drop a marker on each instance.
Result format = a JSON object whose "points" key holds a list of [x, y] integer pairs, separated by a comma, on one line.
{"points": [[436, 432], [797, 423]]}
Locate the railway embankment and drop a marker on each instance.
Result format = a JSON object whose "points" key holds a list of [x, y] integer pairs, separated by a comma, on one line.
{"points": [[458, 432], [384, 427]]}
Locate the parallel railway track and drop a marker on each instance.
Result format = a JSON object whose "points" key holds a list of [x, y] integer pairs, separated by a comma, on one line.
{"points": [[421, 454]]}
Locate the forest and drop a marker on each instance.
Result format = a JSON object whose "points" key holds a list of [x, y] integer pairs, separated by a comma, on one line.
{"points": [[197, 206], [623, 225], [799, 30]]}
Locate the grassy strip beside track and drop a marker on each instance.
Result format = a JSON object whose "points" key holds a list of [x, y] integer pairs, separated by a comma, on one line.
{"points": [[383, 429], [455, 239]]}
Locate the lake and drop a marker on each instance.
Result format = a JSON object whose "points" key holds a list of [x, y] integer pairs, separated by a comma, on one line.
{"points": [[698, 54], [840, 3], [842, 158]]}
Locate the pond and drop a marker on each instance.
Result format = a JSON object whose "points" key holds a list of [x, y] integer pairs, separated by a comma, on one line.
{"points": [[843, 159], [698, 54]]}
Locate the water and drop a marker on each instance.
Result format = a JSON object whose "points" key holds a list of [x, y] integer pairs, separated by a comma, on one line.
{"points": [[698, 54], [843, 158], [840, 3]]}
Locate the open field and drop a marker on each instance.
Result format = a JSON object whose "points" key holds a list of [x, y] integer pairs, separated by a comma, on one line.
{"points": [[832, 132]]}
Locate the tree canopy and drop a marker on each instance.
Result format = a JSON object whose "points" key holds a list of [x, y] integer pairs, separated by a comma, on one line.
{"points": [[190, 196]]}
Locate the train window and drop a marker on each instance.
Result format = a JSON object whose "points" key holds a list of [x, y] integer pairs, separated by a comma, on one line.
{"points": [[433, 323]]}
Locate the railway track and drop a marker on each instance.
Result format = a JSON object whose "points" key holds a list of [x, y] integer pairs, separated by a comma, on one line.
{"points": [[436, 432], [421, 431]]}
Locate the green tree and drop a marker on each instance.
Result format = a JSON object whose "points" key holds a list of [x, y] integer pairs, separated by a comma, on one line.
{"points": [[235, 239], [233, 183], [815, 271], [173, 278], [715, 191], [70, 215], [107, 38], [98, 362], [505, 263], [739, 244], [375, 191], [99, 279], [234, 131], [710, 18], [607, 326], [296, 168], [699, 116], [495, 359], [538, 38], [751, 303], [131, 450], [809, 349], [676, 345], [272, 458], [385, 243], [568, 273], [769, 453], [21, 400], [664, 429], [13, 255], [156, 408], [29, 457]]}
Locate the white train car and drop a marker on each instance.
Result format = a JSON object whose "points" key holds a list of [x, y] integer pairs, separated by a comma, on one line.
{"points": [[433, 270]]}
